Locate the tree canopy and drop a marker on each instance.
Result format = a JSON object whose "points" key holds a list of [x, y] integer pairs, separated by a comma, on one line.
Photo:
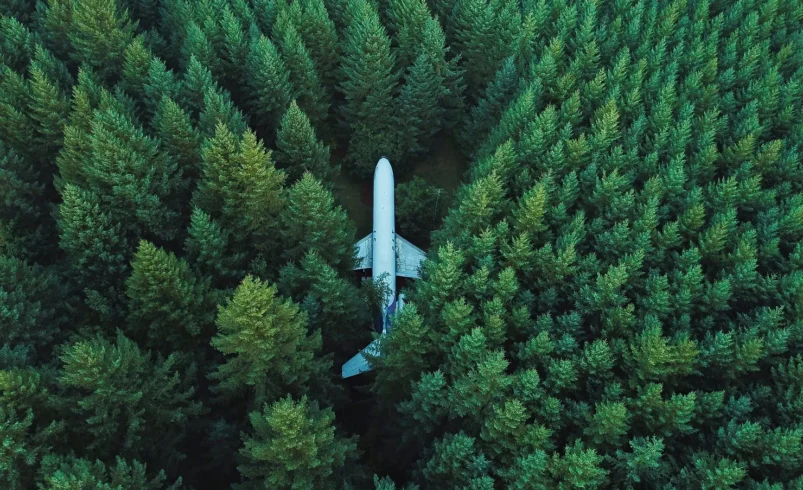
{"points": [[612, 296]]}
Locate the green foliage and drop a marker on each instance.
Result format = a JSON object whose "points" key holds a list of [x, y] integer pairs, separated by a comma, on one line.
{"points": [[294, 445], [23, 447], [242, 189], [420, 207], [71, 473], [134, 406], [332, 303], [169, 306], [260, 333], [304, 78], [311, 221], [298, 150], [268, 82], [99, 32], [368, 81], [33, 309], [612, 300]]}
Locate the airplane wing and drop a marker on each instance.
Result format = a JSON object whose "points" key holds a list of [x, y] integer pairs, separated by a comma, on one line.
{"points": [[408, 258], [359, 364], [364, 250]]}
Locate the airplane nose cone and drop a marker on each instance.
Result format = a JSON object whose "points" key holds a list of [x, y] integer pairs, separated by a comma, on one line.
{"points": [[383, 166]]}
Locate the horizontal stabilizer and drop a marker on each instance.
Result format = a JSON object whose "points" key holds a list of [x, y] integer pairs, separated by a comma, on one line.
{"points": [[359, 364]]}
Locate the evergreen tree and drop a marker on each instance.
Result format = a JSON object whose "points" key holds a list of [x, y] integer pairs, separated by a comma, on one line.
{"points": [[268, 82], [133, 178], [368, 81], [332, 303], [99, 32], [134, 406], [179, 138], [421, 101], [260, 333], [170, 307], [209, 249], [23, 447], [298, 150], [483, 32], [321, 39], [241, 189], [97, 247], [34, 298], [294, 445], [312, 221], [26, 229], [74, 473], [303, 77], [419, 208]]}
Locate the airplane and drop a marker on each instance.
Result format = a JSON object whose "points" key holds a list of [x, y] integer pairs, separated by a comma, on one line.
{"points": [[388, 255]]}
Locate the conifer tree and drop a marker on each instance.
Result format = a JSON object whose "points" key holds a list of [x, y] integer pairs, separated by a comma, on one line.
{"points": [[421, 101], [312, 221], [368, 82], [241, 189], [33, 298], [148, 202], [209, 250], [489, 107], [420, 207], [483, 32], [261, 332], [332, 303], [303, 77], [134, 406], [170, 308], [23, 447], [197, 80], [49, 109], [99, 32], [72, 472], [298, 150], [268, 82], [294, 445], [321, 38], [179, 138], [26, 229], [218, 108], [97, 247]]}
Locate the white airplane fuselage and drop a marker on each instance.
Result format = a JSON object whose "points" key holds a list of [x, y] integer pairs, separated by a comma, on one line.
{"points": [[384, 235], [388, 255]]}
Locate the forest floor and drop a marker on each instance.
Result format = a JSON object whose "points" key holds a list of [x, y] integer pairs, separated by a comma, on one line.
{"points": [[444, 167]]}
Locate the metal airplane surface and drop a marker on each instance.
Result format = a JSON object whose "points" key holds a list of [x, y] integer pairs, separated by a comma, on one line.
{"points": [[387, 254]]}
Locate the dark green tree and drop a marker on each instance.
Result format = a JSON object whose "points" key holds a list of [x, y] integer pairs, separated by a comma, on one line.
{"points": [[268, 82], [134, 406], [333, 304], [312, 221], [420, 207], [71, 473], [242, 190], [99, 32], [261, 332], [294, 445], [369, 79], [303, 77], [170, 308], [298, 150]]}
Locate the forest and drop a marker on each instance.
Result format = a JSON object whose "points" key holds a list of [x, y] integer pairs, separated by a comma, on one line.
{"points": [[612, 296]]}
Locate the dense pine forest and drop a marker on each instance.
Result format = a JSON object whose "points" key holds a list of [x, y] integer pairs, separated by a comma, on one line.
{"points": [[613, 297]]}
